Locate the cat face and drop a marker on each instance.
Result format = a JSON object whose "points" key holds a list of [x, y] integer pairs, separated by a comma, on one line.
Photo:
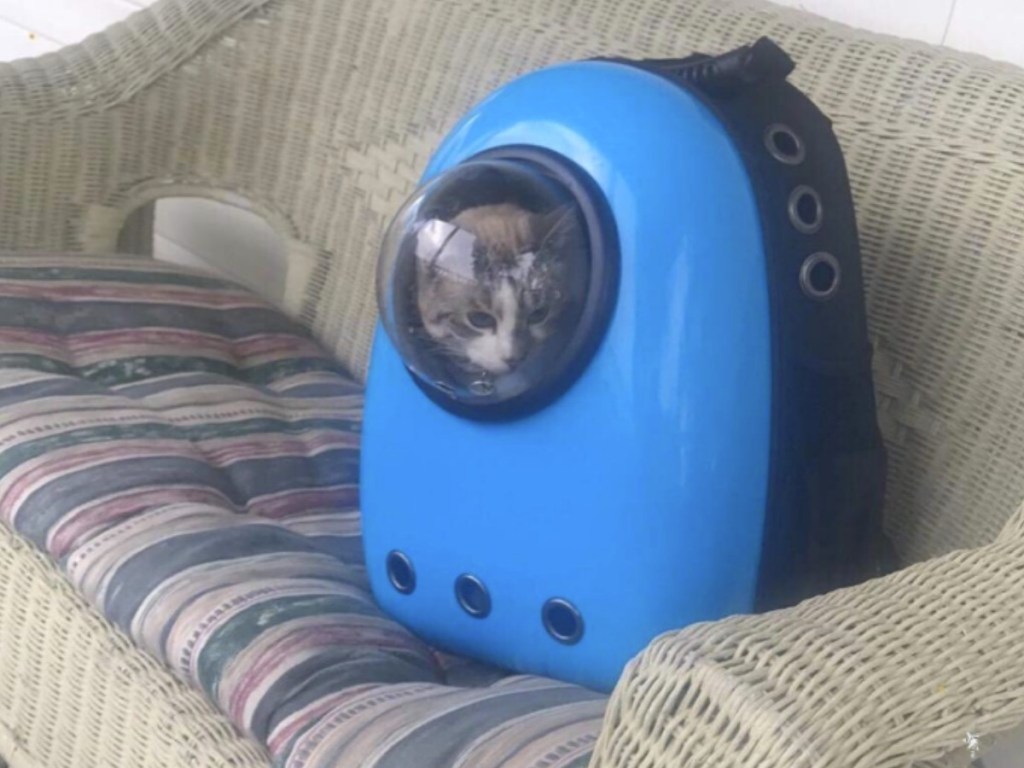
{"points": [[491, 284]]}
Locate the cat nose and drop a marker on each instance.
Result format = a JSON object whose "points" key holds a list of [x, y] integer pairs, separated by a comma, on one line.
{"points": [[513, 360]]}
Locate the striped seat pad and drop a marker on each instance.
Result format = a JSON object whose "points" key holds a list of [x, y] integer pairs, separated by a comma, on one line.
{"points": [[189, 457]]}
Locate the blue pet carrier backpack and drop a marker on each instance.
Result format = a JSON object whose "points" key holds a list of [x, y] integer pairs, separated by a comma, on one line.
{"points": [[694, 434]]}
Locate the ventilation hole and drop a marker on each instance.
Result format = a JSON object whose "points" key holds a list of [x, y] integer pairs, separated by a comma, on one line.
{"points": [[820, 276], [401, 574], [805, 210], [823, 277], [784, 145], [473, 596], [562, 621]]}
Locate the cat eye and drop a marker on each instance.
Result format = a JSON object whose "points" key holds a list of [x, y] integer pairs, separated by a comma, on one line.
{"points": [[538, 316], [481, 321]]}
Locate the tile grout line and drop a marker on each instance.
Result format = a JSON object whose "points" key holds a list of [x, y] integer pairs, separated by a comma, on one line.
{"points": [[949, 22], [130, 6], [29, 31]]}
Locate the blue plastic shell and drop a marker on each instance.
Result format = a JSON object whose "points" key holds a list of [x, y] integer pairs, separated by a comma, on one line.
{"points": [[639, 495]]}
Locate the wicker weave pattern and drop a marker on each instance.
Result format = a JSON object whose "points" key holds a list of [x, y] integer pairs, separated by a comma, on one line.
{"points": [[191, 458], [322, 113], [75, 692], [808, 687]]}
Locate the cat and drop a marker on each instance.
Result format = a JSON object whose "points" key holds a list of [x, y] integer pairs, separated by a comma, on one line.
{"points": [[491, 284]]}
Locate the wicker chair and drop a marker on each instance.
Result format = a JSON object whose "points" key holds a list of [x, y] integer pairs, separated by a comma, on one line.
{"points": [[322, 112]]}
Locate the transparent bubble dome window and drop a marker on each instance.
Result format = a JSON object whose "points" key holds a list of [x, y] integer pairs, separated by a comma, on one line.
{"points": [[495, 281]]}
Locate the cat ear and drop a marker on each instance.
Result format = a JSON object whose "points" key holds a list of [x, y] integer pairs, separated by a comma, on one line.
{"points": [[555, 227]]}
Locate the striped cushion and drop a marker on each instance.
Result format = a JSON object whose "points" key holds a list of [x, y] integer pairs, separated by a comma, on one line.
{"points": [[190, 458]]}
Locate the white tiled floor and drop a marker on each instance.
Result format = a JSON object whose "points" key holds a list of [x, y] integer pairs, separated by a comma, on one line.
{"points": [[31, 27], [248, 250], [18, 42], [66, 21], [993, 27], [920, 19]]}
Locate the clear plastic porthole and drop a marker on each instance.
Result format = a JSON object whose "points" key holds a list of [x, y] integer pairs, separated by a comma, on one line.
{"points": [[496, 280]]}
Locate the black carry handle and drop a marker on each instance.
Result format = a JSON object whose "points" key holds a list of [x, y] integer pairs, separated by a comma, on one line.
{"points": [[732, 71]]}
